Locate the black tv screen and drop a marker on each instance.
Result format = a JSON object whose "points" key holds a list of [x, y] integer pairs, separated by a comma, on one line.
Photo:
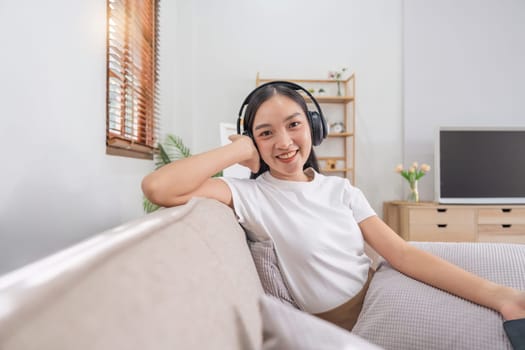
{"points": [[480, 165]]}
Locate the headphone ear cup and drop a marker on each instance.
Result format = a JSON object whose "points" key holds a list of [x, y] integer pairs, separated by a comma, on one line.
{"points": [[319, 128]]}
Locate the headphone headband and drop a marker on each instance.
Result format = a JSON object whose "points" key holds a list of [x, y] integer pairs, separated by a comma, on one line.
{"points": [[318, 135]]}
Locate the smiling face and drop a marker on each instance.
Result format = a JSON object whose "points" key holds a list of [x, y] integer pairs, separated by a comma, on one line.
{"points": [[282, 134]]}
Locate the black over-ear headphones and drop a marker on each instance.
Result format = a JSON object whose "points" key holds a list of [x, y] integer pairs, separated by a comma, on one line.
{"points": [[315, 118]]}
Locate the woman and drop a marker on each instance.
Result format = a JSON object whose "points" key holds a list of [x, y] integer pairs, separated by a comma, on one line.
{"points": [[318, 223]]}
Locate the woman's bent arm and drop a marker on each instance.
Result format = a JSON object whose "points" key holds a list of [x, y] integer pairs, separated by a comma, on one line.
{"points": [[175, 183]]}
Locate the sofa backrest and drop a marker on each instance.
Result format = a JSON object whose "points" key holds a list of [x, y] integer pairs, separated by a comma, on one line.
{"points": [[180, 278]]}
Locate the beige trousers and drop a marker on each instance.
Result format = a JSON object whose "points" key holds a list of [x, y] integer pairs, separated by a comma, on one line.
{"points": [[346, 315]]}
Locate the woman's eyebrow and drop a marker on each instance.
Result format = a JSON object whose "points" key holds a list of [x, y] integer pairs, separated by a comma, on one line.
{"points": [[260, 126]]}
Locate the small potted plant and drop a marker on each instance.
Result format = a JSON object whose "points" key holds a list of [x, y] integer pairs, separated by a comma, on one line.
{"points": [[321, 91], [338, 76]]}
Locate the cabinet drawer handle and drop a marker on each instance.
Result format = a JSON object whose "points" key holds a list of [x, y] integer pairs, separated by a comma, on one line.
{"points": [[506, 210], [506, 225], [441, 225], [441, 210]]}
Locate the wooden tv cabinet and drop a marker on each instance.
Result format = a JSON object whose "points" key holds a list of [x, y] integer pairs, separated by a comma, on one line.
{"points": [[430, 221]]}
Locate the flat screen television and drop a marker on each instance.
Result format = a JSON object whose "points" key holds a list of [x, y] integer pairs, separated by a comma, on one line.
{"points": [[480, 165]]}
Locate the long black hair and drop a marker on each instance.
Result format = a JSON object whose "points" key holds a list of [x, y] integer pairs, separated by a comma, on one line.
{"points": [[256, 100]]}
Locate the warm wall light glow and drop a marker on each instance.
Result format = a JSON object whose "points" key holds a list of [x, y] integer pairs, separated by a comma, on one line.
{"points": [[132, 77]]}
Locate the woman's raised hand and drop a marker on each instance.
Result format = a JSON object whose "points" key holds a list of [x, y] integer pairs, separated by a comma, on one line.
{"points": [[252, 158]]}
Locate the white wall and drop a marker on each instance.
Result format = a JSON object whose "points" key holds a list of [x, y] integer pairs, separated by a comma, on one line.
{"points": [[463, 66], [225, 43], [57, 184], [436, 62]]}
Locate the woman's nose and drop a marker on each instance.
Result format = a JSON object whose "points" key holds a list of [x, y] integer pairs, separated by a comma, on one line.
{"points": [[283, 140]]}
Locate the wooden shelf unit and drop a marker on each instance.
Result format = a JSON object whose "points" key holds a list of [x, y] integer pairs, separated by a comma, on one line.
{"points": [[430, 221], [347, 102]]}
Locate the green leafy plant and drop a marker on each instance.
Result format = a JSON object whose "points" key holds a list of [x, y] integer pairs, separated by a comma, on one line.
{"points": [[173, 148]]}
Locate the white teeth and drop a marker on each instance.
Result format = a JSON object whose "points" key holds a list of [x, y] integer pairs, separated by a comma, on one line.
{"points": [[287, 155]]}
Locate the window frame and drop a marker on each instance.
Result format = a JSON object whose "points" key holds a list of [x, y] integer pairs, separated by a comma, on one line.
{"points": [[132, 121]]}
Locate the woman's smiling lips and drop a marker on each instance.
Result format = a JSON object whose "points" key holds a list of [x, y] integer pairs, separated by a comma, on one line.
{"points": [[287, 157]]}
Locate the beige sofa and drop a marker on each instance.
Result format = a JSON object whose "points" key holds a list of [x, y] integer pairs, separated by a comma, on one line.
{"points": [[183, 278], [180, 278]]}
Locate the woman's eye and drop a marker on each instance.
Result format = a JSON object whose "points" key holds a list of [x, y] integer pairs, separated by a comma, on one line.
{"points": [[294, 124], [265, 133]]}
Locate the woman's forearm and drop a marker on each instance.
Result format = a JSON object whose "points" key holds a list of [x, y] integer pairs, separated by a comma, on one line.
{"points": [[441, 274], [183, 176]]}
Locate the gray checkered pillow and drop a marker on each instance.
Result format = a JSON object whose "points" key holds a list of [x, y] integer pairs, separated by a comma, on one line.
{"points": [[400, 313], [265, 259]]}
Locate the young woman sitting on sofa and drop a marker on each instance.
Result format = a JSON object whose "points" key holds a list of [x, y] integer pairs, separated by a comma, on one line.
{"points": [[318, 223]]}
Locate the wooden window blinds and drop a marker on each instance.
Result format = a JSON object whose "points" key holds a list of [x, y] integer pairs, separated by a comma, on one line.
{"points": [[132, 76]]}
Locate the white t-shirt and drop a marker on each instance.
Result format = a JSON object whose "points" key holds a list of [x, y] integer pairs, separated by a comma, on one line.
{"points": [[314, 227]]}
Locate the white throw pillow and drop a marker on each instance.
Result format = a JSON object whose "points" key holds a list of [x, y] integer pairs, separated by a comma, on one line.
{"points": [[286, 328]]}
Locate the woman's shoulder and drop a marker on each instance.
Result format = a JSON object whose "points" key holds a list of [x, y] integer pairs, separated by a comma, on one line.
{"points": [[333, 180], [244, 185], [238, 181]]}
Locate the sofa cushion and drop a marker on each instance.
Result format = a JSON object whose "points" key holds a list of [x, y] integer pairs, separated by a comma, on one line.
{"points": [[402, 313], [287, 328], [273, 283]]}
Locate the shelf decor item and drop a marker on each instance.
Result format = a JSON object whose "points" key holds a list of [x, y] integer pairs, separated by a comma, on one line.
{"points": [[331, 164], [412, 175], [337, 127], [338, 76]]}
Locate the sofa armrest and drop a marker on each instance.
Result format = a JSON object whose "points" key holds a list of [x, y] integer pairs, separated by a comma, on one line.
{"points": [[179, 278]]}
